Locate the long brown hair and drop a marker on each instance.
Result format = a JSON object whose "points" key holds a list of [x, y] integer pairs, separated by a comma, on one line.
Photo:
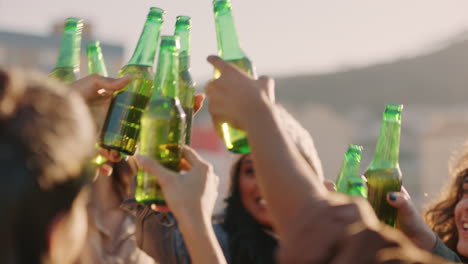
{"points": [[441, 215], [248, 242]]}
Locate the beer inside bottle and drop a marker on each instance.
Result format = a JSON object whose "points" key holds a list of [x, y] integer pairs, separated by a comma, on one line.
{"points": [[349, 181], [122, 126], [229, 49], [67, 68], [186, 83], [163, 123], [384, 175]]}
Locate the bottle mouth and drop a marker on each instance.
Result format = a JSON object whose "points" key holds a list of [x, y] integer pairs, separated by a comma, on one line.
{"points": [[183, 21], [170, 41], [74, 23], [355, 149], [221, 6], [156, 13], [93, 46], [393, 112]]}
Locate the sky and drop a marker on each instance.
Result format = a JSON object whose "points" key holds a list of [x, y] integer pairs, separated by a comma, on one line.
{"points": [[281, 37]]}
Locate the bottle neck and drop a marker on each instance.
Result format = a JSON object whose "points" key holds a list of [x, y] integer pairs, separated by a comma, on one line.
{"points": [[166, 81], [96, 62], [388, 145], [69, 55], [145, 51], [228, 42], [349, 169], [184, 54]]}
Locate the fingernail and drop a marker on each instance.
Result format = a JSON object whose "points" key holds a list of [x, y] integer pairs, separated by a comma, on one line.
{"points": [[392, 196], [106, 169]]}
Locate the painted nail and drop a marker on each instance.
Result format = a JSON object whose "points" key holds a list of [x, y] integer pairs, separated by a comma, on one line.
{"points": [[392, 196]]}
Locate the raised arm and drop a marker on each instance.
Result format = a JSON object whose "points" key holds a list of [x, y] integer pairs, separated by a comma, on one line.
{"points": [[314, 227], [191, 197], [282, 171]]}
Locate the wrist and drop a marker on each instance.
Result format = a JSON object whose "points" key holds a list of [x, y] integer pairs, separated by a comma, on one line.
{"points": [[190, 216], [260, 111], [427, 240], [193, 222]]}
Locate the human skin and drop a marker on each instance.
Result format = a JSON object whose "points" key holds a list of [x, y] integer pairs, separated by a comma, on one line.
{"points": [[191, 197], [461, 220], [341, 229]]}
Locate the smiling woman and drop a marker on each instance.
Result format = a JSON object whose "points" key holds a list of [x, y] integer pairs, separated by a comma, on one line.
{"points": [[448, 217], [245, 183]]}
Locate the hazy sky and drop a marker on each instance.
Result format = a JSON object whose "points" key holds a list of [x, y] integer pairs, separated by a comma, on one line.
{"points": [[281, 37]]}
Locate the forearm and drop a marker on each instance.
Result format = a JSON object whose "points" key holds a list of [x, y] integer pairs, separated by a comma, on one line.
{"points": [[200, 239], [440, 249], [285, 178]]}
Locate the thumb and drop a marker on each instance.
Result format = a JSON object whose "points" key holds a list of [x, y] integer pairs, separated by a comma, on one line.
{"points": [[111, 83], [192, 157], [153, 167], [199, 99], [398, 200]]}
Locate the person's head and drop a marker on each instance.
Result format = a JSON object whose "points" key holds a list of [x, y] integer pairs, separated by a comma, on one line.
{"points": [[46, 137], [246, 217], [448, 217], [244, 189]]}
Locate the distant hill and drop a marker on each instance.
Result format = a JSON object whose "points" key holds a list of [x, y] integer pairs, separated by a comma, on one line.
{"points": [[437, 78]]}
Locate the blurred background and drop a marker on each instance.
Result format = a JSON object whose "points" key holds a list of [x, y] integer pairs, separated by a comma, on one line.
{"points": [[336, 65]]}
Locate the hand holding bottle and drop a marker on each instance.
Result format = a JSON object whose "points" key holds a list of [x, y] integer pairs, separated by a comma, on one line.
{"points": [[114, 156], [97, 92], [188, 195], [235, 95], [410, 222]]}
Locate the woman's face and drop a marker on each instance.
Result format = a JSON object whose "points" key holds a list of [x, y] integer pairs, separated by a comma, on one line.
{"points": [[251, 199], [461, 220]]}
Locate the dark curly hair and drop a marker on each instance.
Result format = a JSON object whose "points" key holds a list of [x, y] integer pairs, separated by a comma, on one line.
{"points": [[248, 241], [441, 215]]}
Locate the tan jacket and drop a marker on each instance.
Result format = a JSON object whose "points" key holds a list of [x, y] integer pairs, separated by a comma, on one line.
{"points": [[124, 251]]}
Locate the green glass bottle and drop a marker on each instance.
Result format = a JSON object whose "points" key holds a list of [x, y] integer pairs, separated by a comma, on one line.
{"points": [[96, 62], [349, 181], [67, 68], [163, 123], [186, 84], [122, 126], [383, 174], [97, 65], [229, 49]]}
